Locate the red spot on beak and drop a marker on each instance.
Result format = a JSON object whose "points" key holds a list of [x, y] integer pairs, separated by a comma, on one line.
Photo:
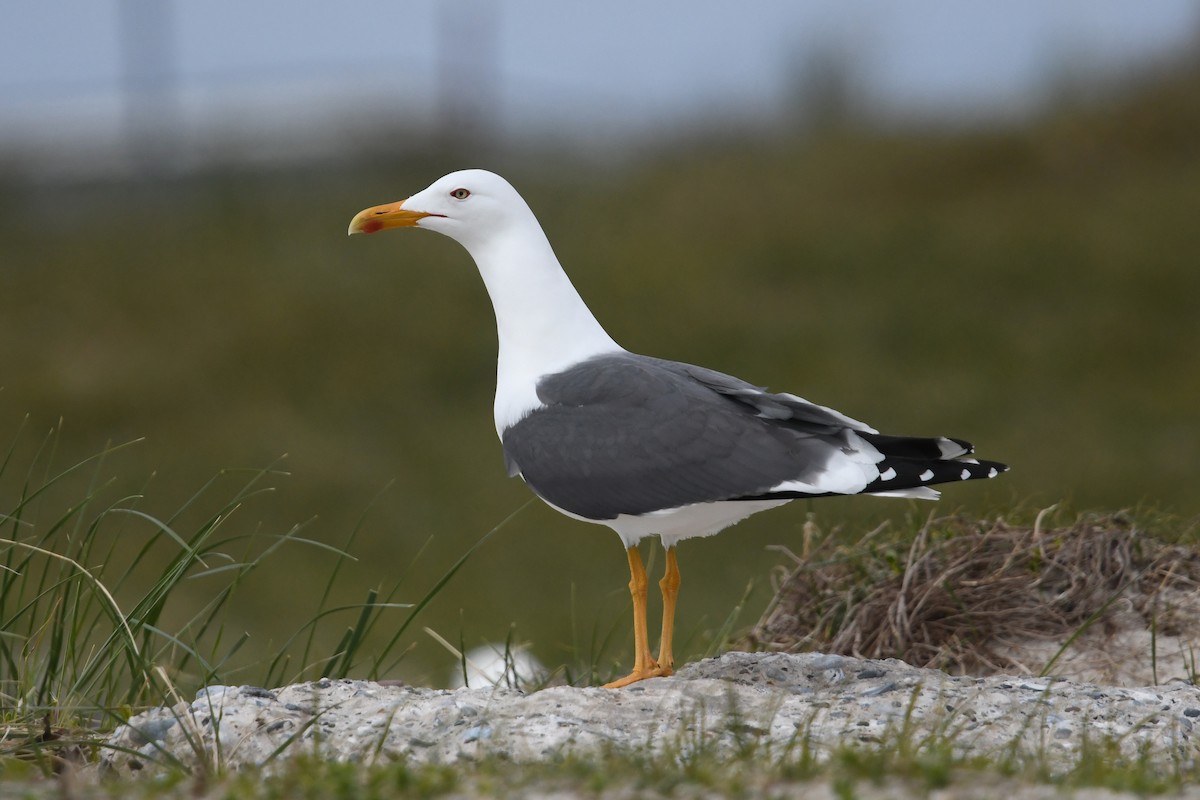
{"points": [[372, 226]]}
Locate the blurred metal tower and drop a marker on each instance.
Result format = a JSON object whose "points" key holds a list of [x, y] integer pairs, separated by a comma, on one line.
{"points": [[147, 45], [468, 73]]}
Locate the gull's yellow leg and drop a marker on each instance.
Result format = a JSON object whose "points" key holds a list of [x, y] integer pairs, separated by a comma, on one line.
{"points": [[670, 592], [644, 666]]}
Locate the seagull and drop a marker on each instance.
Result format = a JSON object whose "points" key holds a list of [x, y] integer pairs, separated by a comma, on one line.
{"points": [[646, 446]]}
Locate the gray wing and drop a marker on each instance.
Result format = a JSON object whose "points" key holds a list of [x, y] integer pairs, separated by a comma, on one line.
{"points": [[629, 434]]}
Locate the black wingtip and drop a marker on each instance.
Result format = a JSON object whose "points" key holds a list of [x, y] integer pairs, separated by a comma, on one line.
{"points": [[989, 469]]}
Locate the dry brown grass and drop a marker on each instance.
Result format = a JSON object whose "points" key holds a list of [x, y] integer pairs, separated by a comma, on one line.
{"points": [[956, 594]]}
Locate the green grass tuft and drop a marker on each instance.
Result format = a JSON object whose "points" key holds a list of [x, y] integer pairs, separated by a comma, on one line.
{"points": [[101, 616]]}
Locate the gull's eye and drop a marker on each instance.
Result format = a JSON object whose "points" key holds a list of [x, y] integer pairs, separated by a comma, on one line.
{"points": [[460, 194]]}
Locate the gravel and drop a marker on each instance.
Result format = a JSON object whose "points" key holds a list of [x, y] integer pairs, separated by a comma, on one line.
{"points": [[774, 702]]}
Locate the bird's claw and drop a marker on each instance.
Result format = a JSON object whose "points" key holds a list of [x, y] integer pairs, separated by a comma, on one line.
{"points": [[653, 670]]}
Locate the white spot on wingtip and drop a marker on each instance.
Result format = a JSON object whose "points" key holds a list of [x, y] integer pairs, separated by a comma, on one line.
{"points": [[926, 475], [952, 449], [966, 473], [992, 472], [887, 474]]}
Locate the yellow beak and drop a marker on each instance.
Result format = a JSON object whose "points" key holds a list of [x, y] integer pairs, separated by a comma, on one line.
{"points": [[376, 218]]}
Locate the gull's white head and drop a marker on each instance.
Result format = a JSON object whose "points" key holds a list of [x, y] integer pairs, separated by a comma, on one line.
{"points": [[470, 206], [543, 325]]}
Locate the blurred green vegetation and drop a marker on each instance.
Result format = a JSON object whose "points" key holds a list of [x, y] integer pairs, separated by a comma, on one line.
{"points": [[1034, 290]]}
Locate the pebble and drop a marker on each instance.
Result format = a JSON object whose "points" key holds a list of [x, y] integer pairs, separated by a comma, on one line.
{"points": [[825, 662], [477, 732]]}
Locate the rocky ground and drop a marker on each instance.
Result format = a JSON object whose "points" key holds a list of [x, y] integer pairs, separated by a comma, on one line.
{"points": [[773, 702]]}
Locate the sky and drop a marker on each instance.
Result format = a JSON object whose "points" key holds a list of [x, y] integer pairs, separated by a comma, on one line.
{"points": [[574, 69]]}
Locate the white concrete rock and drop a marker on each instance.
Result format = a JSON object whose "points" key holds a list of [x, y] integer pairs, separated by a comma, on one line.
{"points": [[774, 702]]}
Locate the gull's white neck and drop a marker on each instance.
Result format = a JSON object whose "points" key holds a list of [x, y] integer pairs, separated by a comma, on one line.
{"points": [[542, 323]]}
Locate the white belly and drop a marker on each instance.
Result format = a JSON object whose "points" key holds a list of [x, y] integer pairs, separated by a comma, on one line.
{"points": [[686, 522]]}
